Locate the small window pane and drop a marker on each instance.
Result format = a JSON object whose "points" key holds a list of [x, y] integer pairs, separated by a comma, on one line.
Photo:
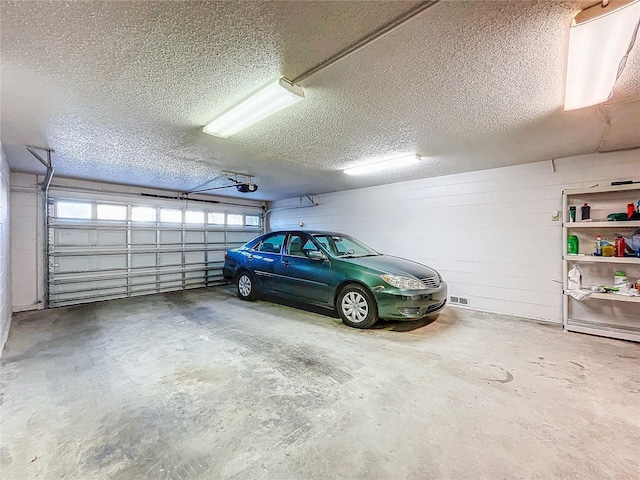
{"points": [[235, 219], [194, 216], [252, 220], [111, 212], [143, 214], [170, 215], [216, 218], [76, 210]]}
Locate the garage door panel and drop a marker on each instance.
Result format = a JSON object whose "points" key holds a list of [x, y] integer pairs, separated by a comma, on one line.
{"points": [[194, 257], [143, 280], [105, 262], [241, 237], [170, 258], [170, 277], [72, 296], [143, 260], [170, 237], [192, 275], [143, 237], [73, 237], [75, 264], [194, 237], [89, 285], [106, 237], [216, 255], [215, 237]]}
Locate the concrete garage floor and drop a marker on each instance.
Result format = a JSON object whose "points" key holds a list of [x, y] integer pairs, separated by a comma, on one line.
{"points": [[202, 385]]}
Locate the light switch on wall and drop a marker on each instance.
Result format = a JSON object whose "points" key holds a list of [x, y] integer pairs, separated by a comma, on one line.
{"points": [[555, 215]]}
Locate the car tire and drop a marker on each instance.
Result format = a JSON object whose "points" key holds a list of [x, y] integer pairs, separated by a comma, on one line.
{"points": [[246, 286], [357, 307]]}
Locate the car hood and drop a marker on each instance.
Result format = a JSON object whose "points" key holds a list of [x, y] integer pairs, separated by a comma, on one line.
{"points": [[393, 266]]}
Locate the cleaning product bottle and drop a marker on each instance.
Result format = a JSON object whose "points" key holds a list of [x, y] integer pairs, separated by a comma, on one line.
{"points": [[620, 246], [586, 212], [573, 246], [619, 279], [598, 246]]}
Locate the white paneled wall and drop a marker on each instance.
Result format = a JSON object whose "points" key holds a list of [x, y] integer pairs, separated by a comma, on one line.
{"points": [[27, 254], [490, 233], [5, 252]]}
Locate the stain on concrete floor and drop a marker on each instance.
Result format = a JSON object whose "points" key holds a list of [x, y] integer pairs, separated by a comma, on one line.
{"points": [[200, 385]]}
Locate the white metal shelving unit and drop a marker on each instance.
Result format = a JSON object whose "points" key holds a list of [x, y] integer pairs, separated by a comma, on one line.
{"points": [[604, 314]]}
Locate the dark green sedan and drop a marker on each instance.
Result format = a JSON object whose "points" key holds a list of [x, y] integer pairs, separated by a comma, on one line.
{"points": [[336, 271]]}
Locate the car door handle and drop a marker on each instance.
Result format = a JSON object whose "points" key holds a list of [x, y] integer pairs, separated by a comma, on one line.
{"points": [[286, 263], [250, 257]]}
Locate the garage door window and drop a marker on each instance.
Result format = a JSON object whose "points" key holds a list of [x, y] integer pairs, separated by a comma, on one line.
{"points": [[252, 220], [235, 219], [216, 218], [194, 216], [169, 215], [143, 214], [111, 212], [73, 210]]}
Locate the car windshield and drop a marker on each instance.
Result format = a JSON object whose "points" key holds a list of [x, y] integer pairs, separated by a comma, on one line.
{"points": [[344, 246]]}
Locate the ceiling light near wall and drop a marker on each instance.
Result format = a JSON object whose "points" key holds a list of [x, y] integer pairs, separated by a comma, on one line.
{"points": [[600, 38], [266, 101], [384, 165]]}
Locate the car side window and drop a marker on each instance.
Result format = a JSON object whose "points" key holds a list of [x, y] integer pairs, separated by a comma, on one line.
{"points": [[271, 244], [309, 246], [300, 246], [294, 246], [324, 242]]}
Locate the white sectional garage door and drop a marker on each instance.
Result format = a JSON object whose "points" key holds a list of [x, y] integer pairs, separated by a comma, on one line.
{"points": [[99, 250]]}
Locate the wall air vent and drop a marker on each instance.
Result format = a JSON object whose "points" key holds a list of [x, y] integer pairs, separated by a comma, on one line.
{"points": [[459, 301]]}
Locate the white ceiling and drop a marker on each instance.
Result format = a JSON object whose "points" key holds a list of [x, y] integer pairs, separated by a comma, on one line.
{"points": [[121, 90]]}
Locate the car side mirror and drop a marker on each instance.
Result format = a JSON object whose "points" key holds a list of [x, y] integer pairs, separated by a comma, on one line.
{"points": [[317, 256]]}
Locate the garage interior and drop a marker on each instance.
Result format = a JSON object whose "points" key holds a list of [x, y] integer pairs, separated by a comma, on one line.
{"points": [[125, 354]]}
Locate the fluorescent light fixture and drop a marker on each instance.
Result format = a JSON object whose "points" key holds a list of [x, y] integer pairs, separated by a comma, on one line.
{"points": [[600, 38], [384, 165], [266, 101]]}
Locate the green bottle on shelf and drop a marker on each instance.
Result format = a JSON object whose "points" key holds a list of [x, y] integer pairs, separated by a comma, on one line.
{"points": [[573, 246]]}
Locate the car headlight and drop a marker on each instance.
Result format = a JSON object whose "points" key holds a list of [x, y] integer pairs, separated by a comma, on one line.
{"points": [[404, 283]]}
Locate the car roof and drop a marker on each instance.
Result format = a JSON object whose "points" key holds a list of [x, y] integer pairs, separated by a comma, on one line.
{"points": [[309, 232]]}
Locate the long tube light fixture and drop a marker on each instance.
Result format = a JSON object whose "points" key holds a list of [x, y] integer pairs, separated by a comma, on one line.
{"points": [[392, 163], [264, 102], [600, 39]]}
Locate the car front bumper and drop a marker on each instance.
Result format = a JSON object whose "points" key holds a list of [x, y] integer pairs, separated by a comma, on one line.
{"points": [[395, 304]]}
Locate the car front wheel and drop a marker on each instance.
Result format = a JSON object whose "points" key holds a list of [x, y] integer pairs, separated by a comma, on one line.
{"points": [[246, 289], [357, 307]]}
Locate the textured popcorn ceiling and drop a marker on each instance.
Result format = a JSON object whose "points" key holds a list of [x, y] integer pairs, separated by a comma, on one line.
{"points": [[121, 90]]}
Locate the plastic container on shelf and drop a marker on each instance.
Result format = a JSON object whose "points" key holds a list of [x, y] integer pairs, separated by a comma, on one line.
{"points": [[620, 246], [573, 245], [619, 279]]}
